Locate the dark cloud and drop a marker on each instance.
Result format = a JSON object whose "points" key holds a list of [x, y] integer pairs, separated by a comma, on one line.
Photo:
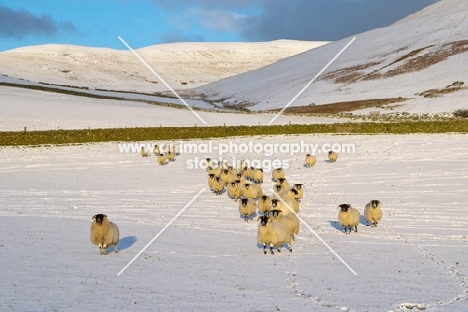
{"points": [[326, 20], [20, 24]]}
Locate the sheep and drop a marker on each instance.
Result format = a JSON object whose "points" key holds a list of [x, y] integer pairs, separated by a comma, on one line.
{"points": [[252, 191], [234, 190], [285, 205], [211, 178], [289, 193], [104, 233], [277, 174], [226, 176], [240, 177], [332, 156], [300, 193], [291, 220], [258, 176], [373, 212], [241, 165], [310, 160], [248, 172], [283, 182], [218, 185], [216, 171], [143, 152], [170, 156], [156, 150], [247, 208], [277, 190], [174, 150], [209, 164], [273, 234], [161, 159], [264, 204], [348, 217]]}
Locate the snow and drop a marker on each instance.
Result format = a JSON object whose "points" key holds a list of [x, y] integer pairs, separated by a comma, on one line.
{"points": [[39, 110], [182, 65], [377, 51], [208, 259]]}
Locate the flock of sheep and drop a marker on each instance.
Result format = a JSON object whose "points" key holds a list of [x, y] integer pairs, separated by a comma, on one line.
{"points": [[278, 213], [163, 154]]}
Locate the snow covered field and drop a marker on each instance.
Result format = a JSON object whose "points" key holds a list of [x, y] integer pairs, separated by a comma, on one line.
{"points": [[39, 110], [208, 259]]}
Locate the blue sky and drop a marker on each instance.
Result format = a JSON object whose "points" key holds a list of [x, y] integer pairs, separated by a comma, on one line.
{"points": [[141, 23]]}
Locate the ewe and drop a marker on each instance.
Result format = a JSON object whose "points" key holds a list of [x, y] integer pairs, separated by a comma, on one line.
{"points": [[104, 233]]}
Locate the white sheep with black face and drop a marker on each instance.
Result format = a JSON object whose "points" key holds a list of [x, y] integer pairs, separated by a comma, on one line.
{"points": [[300, 193], [247, 208], [290, 219], [252, 191], [277, 174], [348, 218], [284, 183], [218, 185], [285, 205], [104, 233], [273, 234], [373, 212], [170, 156], [332, 156], [161, 159], [143, 152], [264, 204], [310, 160], [258, 176], [156, 150], [234, 190]]}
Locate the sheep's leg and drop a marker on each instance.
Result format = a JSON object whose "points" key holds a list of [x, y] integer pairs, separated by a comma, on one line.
{"points": [[355, 228], [116, 249], [271, 249], [264, 248], [104, 248], [289, 247], [376, 223]]}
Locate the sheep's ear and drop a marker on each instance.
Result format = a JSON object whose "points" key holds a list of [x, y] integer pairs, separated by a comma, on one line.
{"points": [[104, 216], [258, 219], [94, 217]]}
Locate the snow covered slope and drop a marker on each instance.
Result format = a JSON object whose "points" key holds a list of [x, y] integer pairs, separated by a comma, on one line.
{"points": [[182, 65], [426, 50]]}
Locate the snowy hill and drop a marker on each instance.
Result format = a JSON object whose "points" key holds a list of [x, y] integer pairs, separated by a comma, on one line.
{"points": [[426, 50], [182, 65]]}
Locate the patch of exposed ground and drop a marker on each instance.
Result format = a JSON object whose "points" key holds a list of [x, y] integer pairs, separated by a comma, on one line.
{"points": [[413, 61], [340, 107], [433, 93]]}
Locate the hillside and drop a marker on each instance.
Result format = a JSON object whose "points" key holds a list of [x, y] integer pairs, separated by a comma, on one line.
{"points": [[182, 65], [424, 51]]}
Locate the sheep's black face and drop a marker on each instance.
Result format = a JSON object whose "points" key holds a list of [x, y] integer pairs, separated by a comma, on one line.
{"points": [[264, 198], [275, 213], [244, 202], [247, 186], [375, 203], [99, 218], [344, 207], [263, 220], [274, 202], [281, 180], [330, 152], [225, 171], [278, 187], [298, 186], [295, 192]]}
